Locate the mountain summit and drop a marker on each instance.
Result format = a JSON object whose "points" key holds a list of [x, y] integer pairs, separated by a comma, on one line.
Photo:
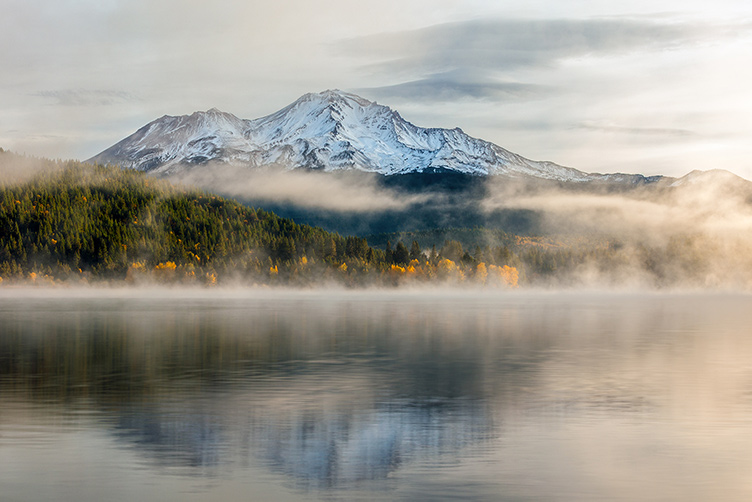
{"points": [[330, 130]]}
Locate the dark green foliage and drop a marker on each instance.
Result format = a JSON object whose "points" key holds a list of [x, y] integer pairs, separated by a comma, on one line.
{"points": [[100, 221], [81, 221], [356, 247], [415, 252], [401, 255], [74, 220], [468, 237], [452, 250]]}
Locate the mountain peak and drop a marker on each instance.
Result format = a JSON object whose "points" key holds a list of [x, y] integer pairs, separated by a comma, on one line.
{"points": [[336, 96], [331, 104], [328, 130], [214, 114]]}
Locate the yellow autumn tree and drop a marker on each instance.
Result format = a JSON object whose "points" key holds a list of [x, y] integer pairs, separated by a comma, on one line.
{"points": [[511, 275], [448, 270], [481, 273], [504, 276], [413, 268], [135, 270], [165, 271]]}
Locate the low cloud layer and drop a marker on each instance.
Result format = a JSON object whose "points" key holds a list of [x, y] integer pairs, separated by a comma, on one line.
{"points": [[695, 232], [687, 233], [345, 191]]}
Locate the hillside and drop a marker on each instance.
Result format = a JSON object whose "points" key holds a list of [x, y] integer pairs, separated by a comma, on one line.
{"points": [[81, 223], [69, 221], [94, 222]]}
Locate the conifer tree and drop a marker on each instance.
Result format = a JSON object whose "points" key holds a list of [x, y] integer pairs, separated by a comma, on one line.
{"points": [[415, 252], [401, 255]]}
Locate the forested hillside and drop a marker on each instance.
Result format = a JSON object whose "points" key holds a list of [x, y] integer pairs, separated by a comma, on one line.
{"points": [[63, 222], [73, 221]]}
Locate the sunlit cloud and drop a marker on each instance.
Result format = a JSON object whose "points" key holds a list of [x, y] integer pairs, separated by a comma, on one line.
{"points": [[509, 43], [503, 44]]}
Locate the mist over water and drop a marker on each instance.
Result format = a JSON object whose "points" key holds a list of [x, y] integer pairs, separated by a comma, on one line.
{"points": [[389, 395], [693, 232]]}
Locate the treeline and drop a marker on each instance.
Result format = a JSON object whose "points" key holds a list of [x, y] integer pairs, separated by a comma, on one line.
{"points": [[470, 238], [540, 260], [110, 224], [92, 223], [73, 222]]}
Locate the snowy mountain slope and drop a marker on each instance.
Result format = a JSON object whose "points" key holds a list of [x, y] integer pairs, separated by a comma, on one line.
{"points": [[187, 139], [331, 130]]}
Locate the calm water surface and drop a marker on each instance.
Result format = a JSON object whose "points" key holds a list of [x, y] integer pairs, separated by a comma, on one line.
{"points": [[216, 395]]}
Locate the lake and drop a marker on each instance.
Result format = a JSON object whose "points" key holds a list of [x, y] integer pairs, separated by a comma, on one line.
{"points": [[374, 395]]}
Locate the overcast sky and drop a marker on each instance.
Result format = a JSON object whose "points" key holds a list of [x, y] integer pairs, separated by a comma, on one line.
{"points": [[652, 87]]}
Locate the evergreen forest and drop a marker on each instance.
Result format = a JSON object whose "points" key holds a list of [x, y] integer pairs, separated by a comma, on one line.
{"points": [[82, 223], [64, 222]]}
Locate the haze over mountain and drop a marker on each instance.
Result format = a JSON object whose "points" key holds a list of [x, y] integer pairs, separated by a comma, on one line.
{"points": [[330, 131]]}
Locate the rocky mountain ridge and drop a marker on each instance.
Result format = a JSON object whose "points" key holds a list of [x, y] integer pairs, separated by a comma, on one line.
{"points": [[330, 131]]}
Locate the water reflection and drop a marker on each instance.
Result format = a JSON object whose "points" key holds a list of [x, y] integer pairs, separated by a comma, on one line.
{"points": [[327, 398], [339, 449], [494, 395], [187, 439]]}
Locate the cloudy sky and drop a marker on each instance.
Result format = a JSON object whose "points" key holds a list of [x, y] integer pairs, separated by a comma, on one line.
{"points": [[655, 87]]}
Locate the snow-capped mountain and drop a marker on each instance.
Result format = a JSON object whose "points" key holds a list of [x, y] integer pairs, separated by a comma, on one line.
{"points": [[331, 130]]}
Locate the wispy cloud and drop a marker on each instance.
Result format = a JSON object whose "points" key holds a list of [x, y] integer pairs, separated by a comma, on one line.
{"points": [[451, 86], [473, 58], [648, 131], [507, 44], [85, 97]]}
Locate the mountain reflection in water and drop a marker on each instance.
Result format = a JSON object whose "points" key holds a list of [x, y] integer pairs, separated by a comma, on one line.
{"points": [[327, 400], [376, 395]]}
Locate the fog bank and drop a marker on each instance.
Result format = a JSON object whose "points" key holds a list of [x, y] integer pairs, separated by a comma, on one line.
{"points": [[335, 191]]}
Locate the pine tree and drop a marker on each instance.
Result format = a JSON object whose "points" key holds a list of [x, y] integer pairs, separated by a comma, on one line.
{"points": [[433, 257], [415, 251], [401, 255]]}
